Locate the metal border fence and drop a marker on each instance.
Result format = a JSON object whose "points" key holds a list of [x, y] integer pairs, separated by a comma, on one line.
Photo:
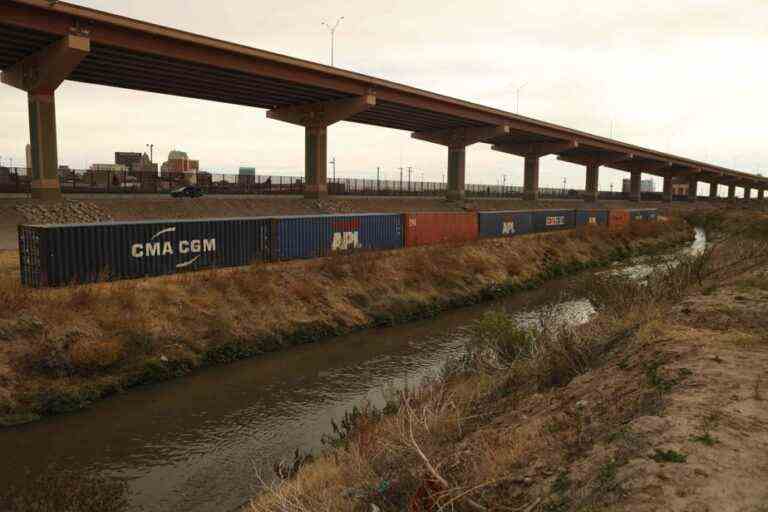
{"points": [[16, 180]]}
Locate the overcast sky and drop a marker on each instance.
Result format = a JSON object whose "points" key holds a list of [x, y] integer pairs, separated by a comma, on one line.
{"points": [[684, 76]]}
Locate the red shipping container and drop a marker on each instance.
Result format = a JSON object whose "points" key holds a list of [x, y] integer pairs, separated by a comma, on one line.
{"points": [[439, 228], [618, 219]]}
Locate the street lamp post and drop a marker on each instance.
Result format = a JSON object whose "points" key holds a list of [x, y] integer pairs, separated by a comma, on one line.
{"points": [[517, 108], [332, 30]]}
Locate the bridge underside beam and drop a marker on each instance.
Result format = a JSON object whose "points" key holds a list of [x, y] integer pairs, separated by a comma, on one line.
{"points": [[316, 118], [593, 160], [457, 140], [532, 153]]}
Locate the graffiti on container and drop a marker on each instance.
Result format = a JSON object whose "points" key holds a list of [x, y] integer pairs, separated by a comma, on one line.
{"points": [[346, 235], [508, 228], [155, 248], [556, 221]]}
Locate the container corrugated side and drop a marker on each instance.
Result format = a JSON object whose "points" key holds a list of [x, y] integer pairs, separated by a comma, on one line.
{"points": [[618, 219], [552, 220], [591, 217], [84, 253], [439, 228], [322, 235], [504, 223], [639, 214]]}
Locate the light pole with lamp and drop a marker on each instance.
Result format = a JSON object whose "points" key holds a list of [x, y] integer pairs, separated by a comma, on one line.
{"points": [[332, 30], [517, 92]]}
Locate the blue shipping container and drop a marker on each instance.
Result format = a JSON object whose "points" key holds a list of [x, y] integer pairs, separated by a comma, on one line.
{"points": [[643, 214], [504, 223], [323, 235], [552, 220], [58, 255], [591, 217]]}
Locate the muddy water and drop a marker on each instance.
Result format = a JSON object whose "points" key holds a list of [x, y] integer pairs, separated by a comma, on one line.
{"points": [[197, 444]]}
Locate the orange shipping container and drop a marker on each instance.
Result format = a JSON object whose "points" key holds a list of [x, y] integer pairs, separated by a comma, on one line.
{"points": [[439, 228], [618, 219]]}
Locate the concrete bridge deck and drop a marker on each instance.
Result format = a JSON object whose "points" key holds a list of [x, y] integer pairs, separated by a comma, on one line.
{"points": [[43, 43]]}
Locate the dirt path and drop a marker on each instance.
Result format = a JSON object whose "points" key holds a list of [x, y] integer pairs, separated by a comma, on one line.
{"points": [[717, 420]]}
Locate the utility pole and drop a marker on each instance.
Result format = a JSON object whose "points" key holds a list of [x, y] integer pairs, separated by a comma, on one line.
{"points": [[378, 179], [332, 30], [401, 178], [409, 178], [151, 153]]}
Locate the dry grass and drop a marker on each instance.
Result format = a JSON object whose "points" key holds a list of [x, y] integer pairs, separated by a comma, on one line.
{"points": [[56, 342], [525, 420]]}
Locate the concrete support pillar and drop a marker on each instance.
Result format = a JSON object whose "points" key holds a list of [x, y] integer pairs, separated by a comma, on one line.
{"points": [[42, 130], [731, 191], [747, 193], [635, 186], [713, 190], [531, 178], [315, 161], [693, 189], [40, 74], [316, 118], [593, 175], [456, 172], [666, 195]]}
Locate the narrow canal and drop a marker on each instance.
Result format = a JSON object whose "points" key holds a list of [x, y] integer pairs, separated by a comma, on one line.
{"points": [[197, 444]]}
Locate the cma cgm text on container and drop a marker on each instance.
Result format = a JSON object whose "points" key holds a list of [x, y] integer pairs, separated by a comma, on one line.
{"points": [[57, 255]]}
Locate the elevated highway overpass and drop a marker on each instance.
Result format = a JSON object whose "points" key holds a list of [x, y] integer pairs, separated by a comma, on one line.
{"points": [[43, 43]]}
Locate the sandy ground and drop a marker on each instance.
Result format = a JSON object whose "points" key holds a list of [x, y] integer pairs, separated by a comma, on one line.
{"points": [[718, 419]]}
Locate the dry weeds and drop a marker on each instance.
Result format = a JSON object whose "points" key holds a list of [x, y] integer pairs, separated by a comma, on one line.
{"points": [[58, 341], [578, 420]]}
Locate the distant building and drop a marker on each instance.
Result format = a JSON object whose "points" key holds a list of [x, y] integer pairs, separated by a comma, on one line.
{"points": [[179, 163], [645, 186], [108, 168], [128, 159], [138, 164], [246, 176], [107, 174]]}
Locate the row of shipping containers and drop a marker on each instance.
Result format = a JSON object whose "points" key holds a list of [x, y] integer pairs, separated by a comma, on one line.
{"points": [[60, 255]]}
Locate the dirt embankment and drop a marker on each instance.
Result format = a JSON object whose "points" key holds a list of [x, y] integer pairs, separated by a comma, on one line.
{"points": [[61, 349], [660, 403]]}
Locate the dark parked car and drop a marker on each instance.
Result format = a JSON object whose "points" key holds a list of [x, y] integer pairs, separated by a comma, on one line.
{"points": [[187, 191]]}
